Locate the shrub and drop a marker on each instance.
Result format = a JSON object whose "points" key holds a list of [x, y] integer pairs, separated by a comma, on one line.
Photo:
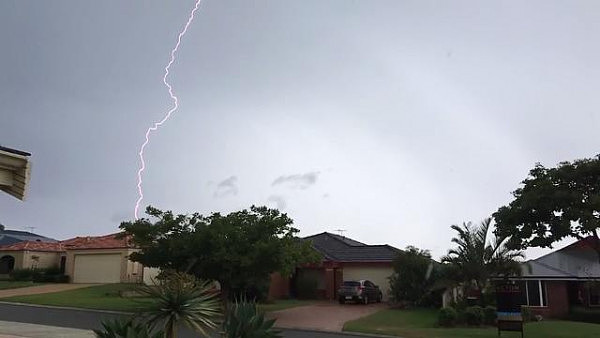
{"points": [[526, 314], [489, 315], [181, 299], [583, 314], [447, 317], [120, 328], [474, 315], [22, 274], [41, 275], [244, 320]]}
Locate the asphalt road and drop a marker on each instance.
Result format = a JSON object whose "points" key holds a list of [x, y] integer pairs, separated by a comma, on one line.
{"points": [[89, 320]]}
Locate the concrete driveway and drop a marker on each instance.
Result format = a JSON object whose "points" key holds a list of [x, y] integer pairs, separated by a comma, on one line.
{"points": [[324, 316], [46, 288]]}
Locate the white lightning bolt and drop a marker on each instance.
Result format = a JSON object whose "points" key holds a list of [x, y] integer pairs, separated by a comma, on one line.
{"points": [[168, 114]]}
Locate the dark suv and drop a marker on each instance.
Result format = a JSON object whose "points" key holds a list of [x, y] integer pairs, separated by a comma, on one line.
{"points": [[363, 291]]}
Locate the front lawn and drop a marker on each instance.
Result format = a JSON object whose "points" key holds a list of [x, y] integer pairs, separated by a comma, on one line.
{"points": [[283, 304], [101, 297], [9, 284], [422, 323], [107, 297]]}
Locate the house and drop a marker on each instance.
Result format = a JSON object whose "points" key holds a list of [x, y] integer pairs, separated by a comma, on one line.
{"points": [[568, 277], [343, 259], [14, 172], [89, 259], [18, 243], [30, 254]]}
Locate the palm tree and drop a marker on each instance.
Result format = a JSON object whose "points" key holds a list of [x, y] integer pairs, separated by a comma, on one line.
{"points": [[181, 299], [479, 255]]}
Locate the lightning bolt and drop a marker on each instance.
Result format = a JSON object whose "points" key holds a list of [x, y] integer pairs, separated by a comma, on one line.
{"points": [[156, 125]]}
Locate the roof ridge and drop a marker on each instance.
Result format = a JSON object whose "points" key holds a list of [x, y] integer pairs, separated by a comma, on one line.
{"points": [[342, 239]]}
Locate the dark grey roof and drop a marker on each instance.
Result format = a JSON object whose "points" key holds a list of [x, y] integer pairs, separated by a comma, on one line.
{"points": [[14, 151], [343, 249], [15, 236], [576, 261]]}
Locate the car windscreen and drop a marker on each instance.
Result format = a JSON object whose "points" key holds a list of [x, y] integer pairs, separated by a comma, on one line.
{"points": [[351, 283]]}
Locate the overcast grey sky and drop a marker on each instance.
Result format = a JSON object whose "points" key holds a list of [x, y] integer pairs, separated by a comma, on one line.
{"points": [[389, 119]]}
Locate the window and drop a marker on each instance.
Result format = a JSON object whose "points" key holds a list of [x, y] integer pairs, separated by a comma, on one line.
{"points": [[535, 293]]}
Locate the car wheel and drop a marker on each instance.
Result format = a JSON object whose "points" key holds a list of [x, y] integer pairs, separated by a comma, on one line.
{"points": [[366, 300]]}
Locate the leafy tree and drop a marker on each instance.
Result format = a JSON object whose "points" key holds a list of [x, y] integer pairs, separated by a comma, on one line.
{"points": [[479, 256], [412, 277], [239, 250], [554, 203]]}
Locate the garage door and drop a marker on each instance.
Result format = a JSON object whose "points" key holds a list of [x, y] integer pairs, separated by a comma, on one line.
{"points": [[97, 269], [377, 275]]}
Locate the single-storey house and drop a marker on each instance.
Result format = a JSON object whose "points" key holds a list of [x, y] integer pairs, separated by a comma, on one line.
{"points": [[568, 277], [15, 169], [343, 259], [11, 239], [89, 259]]}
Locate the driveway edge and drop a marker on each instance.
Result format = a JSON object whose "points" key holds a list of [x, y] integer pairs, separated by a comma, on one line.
{"points": [[68, 308]]}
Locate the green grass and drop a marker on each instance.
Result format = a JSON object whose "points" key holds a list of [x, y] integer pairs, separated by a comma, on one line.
{"points": [[421, 323], [8, 284], [283, 304], [106, 297], [101, 297]]}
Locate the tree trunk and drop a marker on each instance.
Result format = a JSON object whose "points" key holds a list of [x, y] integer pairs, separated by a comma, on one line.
{"points": [[224, 295], [170, 329]]}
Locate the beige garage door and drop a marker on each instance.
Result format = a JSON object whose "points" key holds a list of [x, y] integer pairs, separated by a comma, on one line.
{"points": [[97, 269], [377, 275]]}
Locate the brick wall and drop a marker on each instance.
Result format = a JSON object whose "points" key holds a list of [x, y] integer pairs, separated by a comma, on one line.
{"points": [[557, 298], [279, 286]]}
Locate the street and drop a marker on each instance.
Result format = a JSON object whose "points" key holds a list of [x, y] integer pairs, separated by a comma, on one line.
{"points": [[88, 320]]}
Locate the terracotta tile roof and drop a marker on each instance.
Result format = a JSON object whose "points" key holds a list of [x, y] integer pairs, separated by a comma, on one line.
{"points": [[96, 242], [33, 246], [77, 243]]}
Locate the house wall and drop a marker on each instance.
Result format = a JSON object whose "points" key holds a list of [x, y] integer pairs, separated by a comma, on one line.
{"points": [[149, 275], [558, 301], [25, 259], [131, 272], [279, 287], [17, 255], [40, 260]]}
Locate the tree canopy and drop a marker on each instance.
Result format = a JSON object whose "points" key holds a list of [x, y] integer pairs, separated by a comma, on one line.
{"points": [[239, 250], [413, 276], [554, 203]]}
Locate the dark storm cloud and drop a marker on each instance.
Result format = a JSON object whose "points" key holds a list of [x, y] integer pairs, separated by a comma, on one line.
{"points": [[297, 181], [227, 187]]}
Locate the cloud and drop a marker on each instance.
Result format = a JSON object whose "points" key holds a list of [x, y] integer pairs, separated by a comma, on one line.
{"points": [[297, 181], [278, 200], [227, 187]]}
